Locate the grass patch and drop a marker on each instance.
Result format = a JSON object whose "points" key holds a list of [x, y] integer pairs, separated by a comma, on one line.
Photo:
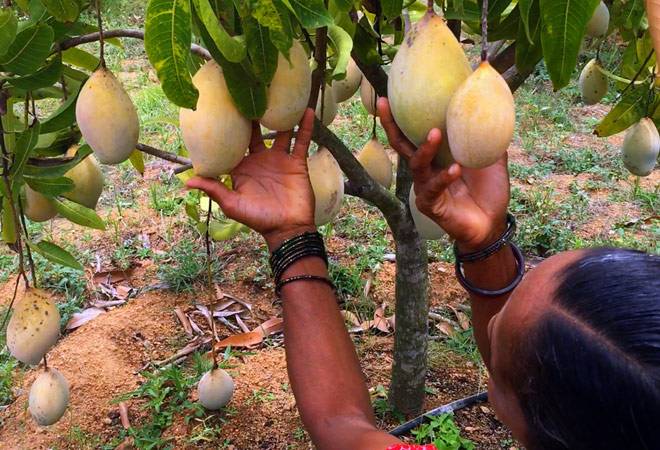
{"points": [[443, 432], [185, 264]]}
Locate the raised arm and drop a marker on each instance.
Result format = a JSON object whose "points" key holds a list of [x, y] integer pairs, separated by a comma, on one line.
{"points": [[273, 196], [471, 206]]}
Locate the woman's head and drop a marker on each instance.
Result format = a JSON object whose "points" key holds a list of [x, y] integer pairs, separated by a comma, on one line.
{"points": [[576, 353]]}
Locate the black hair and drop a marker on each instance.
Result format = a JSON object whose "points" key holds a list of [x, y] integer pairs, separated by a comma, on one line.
{"points": [[588, 374]]}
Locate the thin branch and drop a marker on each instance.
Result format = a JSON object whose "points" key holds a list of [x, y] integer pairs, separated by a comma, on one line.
{"points": [[320, 55], [162, 154], [28, 250], [119, 33], [484, 30]]}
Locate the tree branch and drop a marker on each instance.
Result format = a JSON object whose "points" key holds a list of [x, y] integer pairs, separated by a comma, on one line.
{"points": [[162, 154], [320, 55], [120, 33], [374, 73]]}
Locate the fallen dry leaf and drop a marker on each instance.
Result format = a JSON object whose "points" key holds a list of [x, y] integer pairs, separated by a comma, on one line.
{"points": [[380, 322], [112, 276], [446, 328], [81, 318], [350, 317], [185, 322], [273, 325], [241, 340], [123, 414], [241, 324]]}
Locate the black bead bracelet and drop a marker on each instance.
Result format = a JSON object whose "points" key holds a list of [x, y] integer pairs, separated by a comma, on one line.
{"points": [[294, 249]]}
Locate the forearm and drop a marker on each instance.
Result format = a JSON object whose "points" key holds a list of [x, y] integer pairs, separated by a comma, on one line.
{"points": [[323, 367]]}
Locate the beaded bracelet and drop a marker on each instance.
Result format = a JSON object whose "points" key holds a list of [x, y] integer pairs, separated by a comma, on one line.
{"points": [[282, 283], [298, 247]]}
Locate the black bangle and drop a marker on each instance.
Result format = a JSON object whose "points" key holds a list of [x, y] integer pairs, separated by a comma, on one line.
{"points": [[282, 283], [492, 248], [298, 247], [520, 263]]}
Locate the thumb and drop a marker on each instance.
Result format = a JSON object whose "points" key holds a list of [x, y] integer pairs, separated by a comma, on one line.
{"points": [[222, 195]]}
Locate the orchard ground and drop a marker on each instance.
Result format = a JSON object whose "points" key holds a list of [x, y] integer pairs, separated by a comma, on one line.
{"points": [[570, 189]]}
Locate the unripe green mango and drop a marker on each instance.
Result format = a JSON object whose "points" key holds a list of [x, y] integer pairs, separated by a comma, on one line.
{"points": [[599, 22], [344, 89], [330, 107], [107, 118], [34, 327], [288, 92], [87, 179], [215, 389], [427, 228], [428, 68], [368, 96], [49, 397], [376, 162], [327, 182], [641, 147], [216, 134], [37, 207], [481, 118], [593, 83]]}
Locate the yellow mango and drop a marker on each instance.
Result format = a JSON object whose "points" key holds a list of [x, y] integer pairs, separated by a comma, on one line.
{"points": [[641, 147], [288, 92], [37, 207], [327, 181], [329, 106], [368, 96], [481, 118], [344, 89], [87, 179], [593, 83], [428, 68], [427, 228], [49, 397], [376, 162], [216, 134], [107, 118], [599, 22]]}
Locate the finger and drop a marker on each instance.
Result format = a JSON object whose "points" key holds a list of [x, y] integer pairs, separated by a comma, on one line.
{"points": [[304, 136], [218, 192], [283, 141], [426, 152], [397, 140], [257, 141], [430, 190]]}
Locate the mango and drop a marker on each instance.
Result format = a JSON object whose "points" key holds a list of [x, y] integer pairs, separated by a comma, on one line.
{"points": [[329, 106], [288, 92], [327, 181], [641, 147], [37, 207], [216, 134], [215, 389], [368, 96], [87, 179], [34, 326], [376, 162], [49, 397], [344, 89], [427, 228], [428, 68], [599, 22], [593, 83], [107, 118], [480, 119]]}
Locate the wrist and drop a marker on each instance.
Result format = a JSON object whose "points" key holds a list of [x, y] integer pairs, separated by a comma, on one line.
{"points": [[275, 238], [495, 233]]}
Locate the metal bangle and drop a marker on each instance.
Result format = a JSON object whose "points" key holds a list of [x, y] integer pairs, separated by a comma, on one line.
{"points": [[282, 283], [492, 248], [520, 263]]}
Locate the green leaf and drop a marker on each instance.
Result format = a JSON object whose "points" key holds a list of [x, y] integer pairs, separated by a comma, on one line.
{"points": [[80, 58], [391, 8], [526, 7], [55, 254], [63, 116], [168, 35], [263, 53], [63, 10], [137, 160], [50, 187], [342, 44], [29, 50], [57, 142], [221, 230], [8, 225], [310, 13], [24, 145], [346, 5], [57, 168], [282, 37], [265, 12], [44, 77], [365, 44], [630, 110], [79, 214], [507, 29], [232, 48], [529, 53], [564, 26], [8, 28]]}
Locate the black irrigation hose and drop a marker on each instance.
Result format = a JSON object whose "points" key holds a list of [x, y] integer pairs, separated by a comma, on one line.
{"points": [[448, 408]]}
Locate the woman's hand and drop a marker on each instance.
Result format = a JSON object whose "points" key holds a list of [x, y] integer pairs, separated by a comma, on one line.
{"points": [[272, 193], [469, 204]]}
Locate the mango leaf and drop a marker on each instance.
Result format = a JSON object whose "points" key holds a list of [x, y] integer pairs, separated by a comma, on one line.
{"points": [[79, 214], [310, 13], [391, 8], [346, 5], [221, 230], [24, 145], [630, 110], [167, 39], [137, 160], [50, 187], [282, 37], [342, 44], [80, 58], [58, 142], [529, 53], [8, 225], [44, 77], [232, 48], [56, 168], [8, 28], [507, 28], [63, 10], [564, 26], [63, 116], [29, 50], [265, 12], [628, 15], [525, 13], [55, 254], [263, 53], [365, 44]]}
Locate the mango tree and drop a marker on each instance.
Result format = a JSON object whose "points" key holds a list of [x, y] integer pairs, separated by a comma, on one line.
{"points": [[41, 63]]}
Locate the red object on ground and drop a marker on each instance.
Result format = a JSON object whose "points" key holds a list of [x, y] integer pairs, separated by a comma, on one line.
{"points": [[411, 447]]}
